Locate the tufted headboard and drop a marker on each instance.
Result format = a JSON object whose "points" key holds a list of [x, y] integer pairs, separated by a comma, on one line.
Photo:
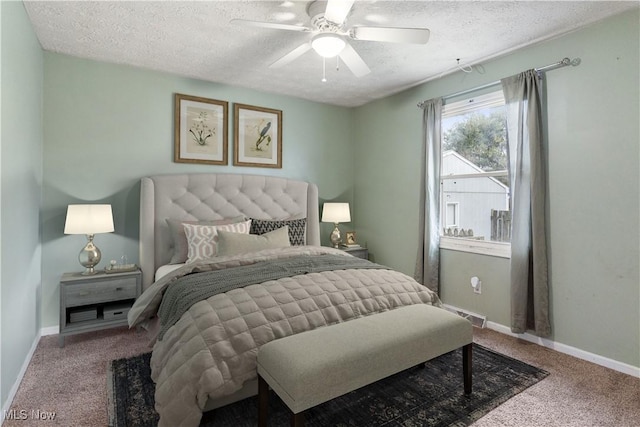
{"points": [[201, 197]]}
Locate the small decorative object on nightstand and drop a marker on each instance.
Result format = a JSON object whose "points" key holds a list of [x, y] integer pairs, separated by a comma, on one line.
{"points": [[350, 239], [99, 301], [336, 213], [114, 267]]}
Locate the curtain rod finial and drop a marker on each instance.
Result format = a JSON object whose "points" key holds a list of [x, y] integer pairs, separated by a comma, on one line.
{"points": [[573, 62]]}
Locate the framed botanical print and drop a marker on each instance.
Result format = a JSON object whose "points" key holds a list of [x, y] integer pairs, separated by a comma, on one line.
{"points": [[201, 130], [257, 136]]}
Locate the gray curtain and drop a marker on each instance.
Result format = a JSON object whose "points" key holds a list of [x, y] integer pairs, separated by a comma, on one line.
{"points": [[527, 177], [428, 262]]}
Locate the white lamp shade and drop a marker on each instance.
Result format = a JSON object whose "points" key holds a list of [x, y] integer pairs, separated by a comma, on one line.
{"points": [[336, 212], [328, 45], [88, 219]]}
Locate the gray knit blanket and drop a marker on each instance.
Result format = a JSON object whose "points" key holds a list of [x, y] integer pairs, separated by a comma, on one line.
{"points": [[192, 288]]}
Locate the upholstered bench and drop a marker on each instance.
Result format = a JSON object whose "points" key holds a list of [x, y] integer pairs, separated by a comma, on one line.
{"points": [[313, 367]]}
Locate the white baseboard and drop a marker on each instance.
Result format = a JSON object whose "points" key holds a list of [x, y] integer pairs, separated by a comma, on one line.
{"points": [[50, 330], [572, 351], [16, 385]]}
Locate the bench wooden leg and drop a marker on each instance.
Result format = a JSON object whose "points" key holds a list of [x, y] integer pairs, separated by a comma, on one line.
{"points": [[297, 420], [467, 352], [263, 402]]}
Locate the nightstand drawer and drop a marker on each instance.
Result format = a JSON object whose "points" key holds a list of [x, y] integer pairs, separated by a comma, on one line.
{"points": [[358, 252], [100, 291]]}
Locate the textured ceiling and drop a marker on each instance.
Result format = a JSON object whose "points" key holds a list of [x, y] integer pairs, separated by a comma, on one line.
{"points": [[196, 39]]}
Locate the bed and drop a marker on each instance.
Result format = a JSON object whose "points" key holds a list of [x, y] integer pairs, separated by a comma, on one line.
{"points": [[205, 350]]}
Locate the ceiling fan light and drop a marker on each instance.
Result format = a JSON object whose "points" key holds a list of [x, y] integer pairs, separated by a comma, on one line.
{"points": [[328, 45]]}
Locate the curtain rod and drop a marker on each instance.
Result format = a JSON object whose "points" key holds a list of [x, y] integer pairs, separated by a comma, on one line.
{"points": [[565, 62]]}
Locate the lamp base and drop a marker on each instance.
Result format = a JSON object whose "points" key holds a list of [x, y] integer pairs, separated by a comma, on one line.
{"points": [[89, 272], [335, 236], [89, 257]]}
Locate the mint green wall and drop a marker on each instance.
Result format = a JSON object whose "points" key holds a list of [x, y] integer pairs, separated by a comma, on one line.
{"points": [[457, 269], [20, 189], [107, 125], [594, 140]]}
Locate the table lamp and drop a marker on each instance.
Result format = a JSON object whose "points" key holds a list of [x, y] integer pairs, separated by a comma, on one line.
{"points": [[336, 213], [89, 220]]}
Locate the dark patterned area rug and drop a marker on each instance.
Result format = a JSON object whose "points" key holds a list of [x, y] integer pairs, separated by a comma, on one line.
{"points": [[432, 396]]}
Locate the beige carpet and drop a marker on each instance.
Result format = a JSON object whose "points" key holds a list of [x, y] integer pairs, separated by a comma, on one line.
{"points": [[72, 383]]}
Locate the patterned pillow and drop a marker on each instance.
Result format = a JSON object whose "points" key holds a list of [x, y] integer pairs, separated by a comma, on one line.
{"points": [[179, 239], [202, 240], [297, 228]]}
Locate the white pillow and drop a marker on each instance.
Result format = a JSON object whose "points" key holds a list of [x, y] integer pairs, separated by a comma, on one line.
{"points": [[230, 243], [202, 240]]}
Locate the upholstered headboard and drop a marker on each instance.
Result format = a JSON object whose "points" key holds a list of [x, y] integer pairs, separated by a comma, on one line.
{"points": [[201, 197]]}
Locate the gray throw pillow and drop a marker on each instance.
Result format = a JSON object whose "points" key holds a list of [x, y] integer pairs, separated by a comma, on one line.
{"points": [[230, 243]]}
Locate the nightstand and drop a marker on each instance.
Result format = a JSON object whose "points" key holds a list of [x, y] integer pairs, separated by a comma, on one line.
{"points": [[99, 301], [357, 252]]}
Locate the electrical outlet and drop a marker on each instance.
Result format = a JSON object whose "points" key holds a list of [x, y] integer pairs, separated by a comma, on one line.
{"points": [[476, 285]]}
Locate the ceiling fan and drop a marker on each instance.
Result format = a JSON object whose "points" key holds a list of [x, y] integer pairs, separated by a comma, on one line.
{"points": [[330, 37]]}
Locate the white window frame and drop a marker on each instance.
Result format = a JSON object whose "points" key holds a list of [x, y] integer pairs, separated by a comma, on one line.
{"points": [[482, 247], [461, 244]]}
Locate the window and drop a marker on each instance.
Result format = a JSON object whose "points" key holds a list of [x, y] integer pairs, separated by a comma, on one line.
{"points": [[474, 186], [451, 216]]}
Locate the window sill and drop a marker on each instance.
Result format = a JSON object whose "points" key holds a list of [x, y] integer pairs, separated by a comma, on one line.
{"points": [[481, 247]]}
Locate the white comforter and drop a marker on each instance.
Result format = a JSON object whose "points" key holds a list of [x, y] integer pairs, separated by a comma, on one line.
{"points": [[211, 351]]}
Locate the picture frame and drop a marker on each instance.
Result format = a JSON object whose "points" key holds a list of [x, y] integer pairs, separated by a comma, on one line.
{"points": [[350, 238], [201, 130], [257, 136]]}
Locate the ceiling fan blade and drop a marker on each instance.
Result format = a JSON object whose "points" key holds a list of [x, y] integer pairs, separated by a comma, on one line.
{"points": [[337, 10], [295, 53], [392, 35], [271, 25], [355, 63]]}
